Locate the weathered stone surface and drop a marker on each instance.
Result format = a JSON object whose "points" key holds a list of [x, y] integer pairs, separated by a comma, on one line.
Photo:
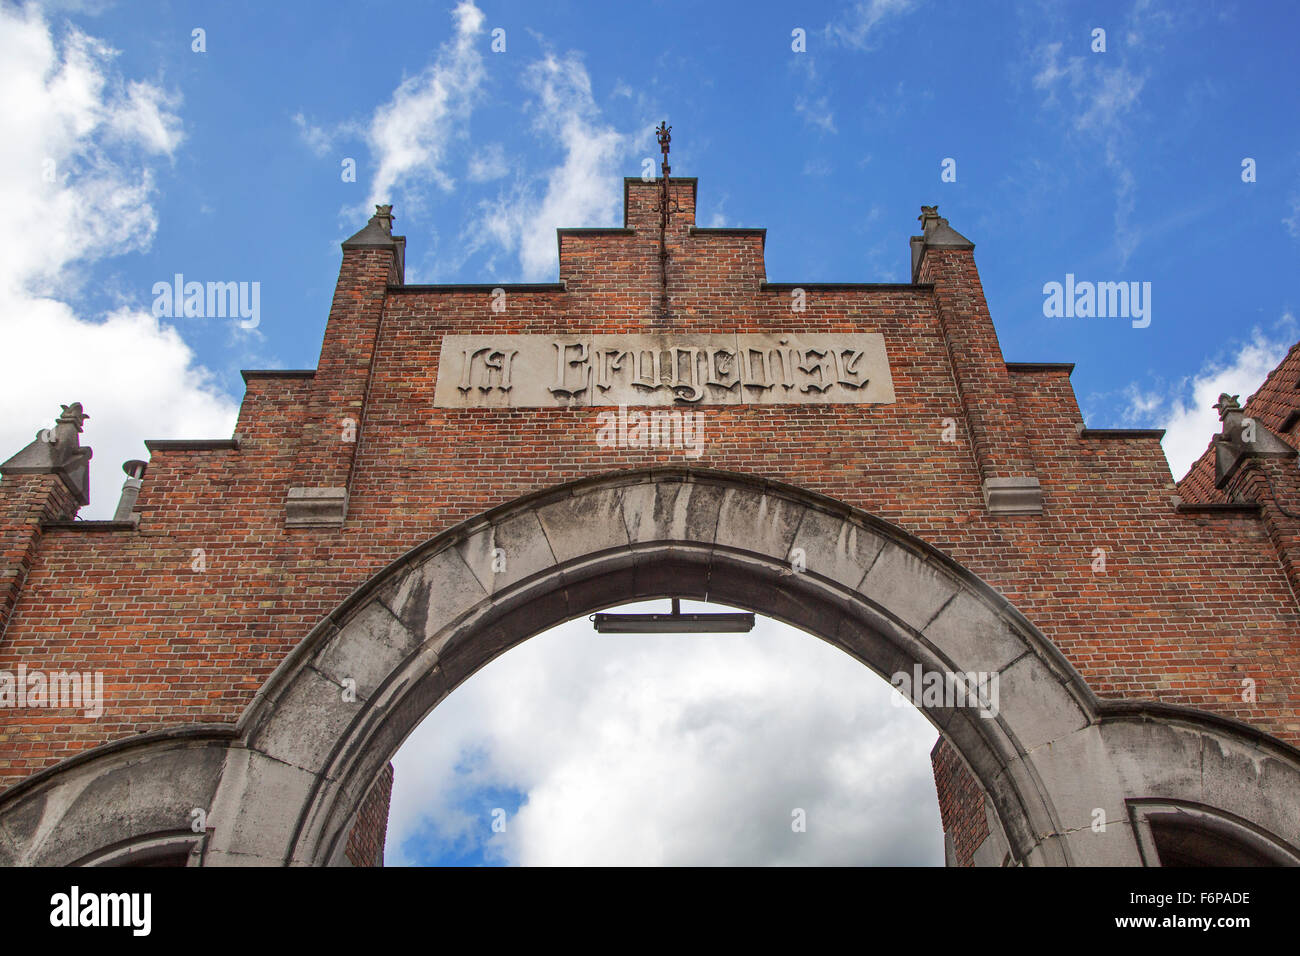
{"points": [[440, 590], [1043, 709], [58, 451], [315, 507], [669, 572], [1183, 763], [507, 551], [760, 524], [907, 586], [671, 511], [836, 548], [585, 523], [1013, 496], [123, 798], [974, 636], [257, 810], [545, 371], [366, 649], [1087, 792], [307, 720]]}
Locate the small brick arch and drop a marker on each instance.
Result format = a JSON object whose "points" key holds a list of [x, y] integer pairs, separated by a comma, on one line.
{"points": [[295, 769]]}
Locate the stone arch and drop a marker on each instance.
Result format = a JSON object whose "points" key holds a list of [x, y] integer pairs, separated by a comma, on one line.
{"points": [[426, 623], [122, 803], [284, 784], [1176, 833]]}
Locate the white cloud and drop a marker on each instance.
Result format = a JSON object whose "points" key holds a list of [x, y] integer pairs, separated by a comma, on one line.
{"points": [[1101, 97], [72, 119], [1188, 415], [410, 135], [816, 111], [1292, 222], [317, 138], [88, 7], [414, 136], [146, 118], [814, 108], [718, 219], [867, 15], [1142, 405], [583, 190], [672, 750], [818, 166], [488, 163]]}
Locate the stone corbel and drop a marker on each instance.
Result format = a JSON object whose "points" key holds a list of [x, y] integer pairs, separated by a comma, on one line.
{"points": [[316, 507], [1013, 496]]}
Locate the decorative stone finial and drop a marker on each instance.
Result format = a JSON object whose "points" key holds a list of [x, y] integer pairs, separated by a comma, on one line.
{"points": [[935, 234], [58, 451], [1242, 438], [72, 415], [1226, 404], [378, 234]]}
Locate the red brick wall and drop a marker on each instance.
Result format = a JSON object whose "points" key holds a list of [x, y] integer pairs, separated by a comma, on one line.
{"points": [[961, 803], [1187, 607], [26, 501], [366, 841]]}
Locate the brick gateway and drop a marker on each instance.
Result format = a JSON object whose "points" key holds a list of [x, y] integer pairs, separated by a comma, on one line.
{"points": [[273, 613]]}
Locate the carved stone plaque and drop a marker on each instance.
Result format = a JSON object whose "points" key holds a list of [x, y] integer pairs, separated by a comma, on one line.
{"points": [[561, 371]]}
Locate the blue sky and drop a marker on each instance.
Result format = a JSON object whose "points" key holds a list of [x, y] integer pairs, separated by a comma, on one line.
{"points": [[133, 157], [226, 166]]}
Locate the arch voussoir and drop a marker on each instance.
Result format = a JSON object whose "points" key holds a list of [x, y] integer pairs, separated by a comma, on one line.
{"points": [[758, 522], [671, 508], [835, 547], [366, 649], [908, 586], [502, 553], [588, 522], [967, 629]]}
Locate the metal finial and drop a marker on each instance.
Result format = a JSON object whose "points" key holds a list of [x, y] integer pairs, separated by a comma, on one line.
{"points": [[664, 135]]}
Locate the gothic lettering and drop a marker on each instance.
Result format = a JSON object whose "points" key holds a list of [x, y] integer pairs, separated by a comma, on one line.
{"points": [[658, 369]]}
